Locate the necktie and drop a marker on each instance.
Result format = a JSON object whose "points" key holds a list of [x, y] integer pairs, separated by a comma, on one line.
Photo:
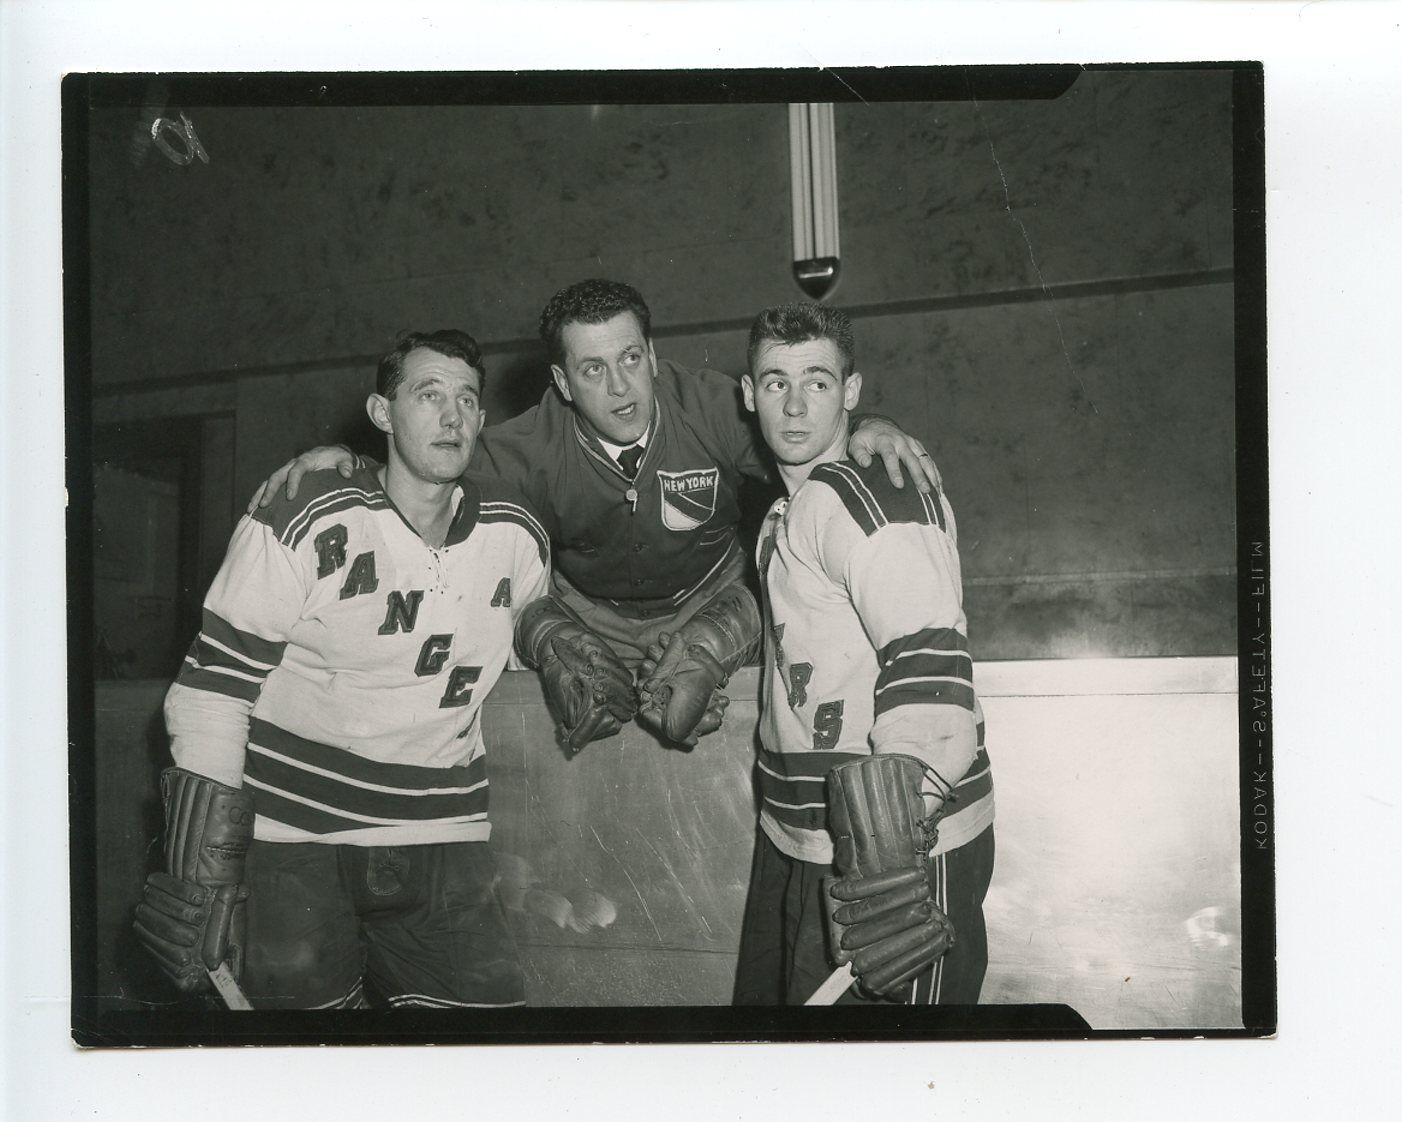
{"points": [[628, 460]]}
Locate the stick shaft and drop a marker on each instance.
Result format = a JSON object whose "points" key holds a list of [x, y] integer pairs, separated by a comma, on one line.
{"points": [[838, 982], [229, 990]]}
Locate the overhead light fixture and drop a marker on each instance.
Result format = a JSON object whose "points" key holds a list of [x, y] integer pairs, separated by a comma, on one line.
{"points": [[813, 178]]}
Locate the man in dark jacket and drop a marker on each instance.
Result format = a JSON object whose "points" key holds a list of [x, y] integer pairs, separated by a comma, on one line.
{"points": [[634, 467]]}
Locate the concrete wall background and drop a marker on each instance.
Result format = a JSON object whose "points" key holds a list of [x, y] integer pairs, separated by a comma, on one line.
{"points": [[1042, 289]]}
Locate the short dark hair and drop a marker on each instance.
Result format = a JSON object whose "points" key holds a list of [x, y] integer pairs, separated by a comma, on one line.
{"points": [[589, 301], [798, 323], [448, 342]]}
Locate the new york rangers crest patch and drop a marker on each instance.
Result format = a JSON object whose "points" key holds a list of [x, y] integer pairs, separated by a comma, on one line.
{"points": [[688, 497]]}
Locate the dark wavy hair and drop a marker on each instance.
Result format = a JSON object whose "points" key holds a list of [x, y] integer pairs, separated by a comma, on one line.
{"points": [[448, 342], [589, 301], [798, 323]]}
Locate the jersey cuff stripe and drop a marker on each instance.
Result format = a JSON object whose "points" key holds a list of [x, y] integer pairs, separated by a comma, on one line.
{"points": [[929, 640], [200, 664], [971, 795], [804, 765], [795, 806], [207, 652], [959, 679], [407, 777], [795, 794], [922, 671], [947, 693], [813, 819], [948, 652], [972, 776], [799, 789], [256, 649], [950, 664], [197, 678], [779, 776]]}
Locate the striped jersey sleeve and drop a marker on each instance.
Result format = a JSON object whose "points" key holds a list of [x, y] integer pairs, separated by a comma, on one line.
{"points": [[251, 607], [895, 553], [503, 504]]}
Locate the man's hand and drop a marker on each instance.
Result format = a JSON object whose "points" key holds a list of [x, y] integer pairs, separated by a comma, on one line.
{"points": [[876, 436], [289, 476]]}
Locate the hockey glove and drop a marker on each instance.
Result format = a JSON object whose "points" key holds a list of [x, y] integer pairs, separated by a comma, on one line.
{"points": [[191, 916], [586, 684], [881, 910], [680, 694]]}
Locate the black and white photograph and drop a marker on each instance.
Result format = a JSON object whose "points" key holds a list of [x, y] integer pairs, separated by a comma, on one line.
{"points": [[704, 559], [411, 690]]}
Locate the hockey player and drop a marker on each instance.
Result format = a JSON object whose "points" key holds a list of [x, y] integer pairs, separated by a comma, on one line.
{"points": [[876, 796], [327, 815], [635, 466]]}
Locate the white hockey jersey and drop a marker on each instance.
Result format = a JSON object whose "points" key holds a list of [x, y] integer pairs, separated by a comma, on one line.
{"points": [[342, 662], [866, 650]]}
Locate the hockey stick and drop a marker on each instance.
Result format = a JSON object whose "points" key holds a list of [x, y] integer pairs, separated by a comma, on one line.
{"points": [[229, 990], [836, 985]]}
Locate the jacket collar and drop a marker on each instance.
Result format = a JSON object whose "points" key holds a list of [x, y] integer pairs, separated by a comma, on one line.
{"points": [[590, 443]]}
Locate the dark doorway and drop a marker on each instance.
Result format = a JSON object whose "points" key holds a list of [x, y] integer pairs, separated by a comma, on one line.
{"points": [[161, 522]]}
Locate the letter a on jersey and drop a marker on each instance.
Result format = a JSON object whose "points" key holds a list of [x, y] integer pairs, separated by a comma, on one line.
{"points": [[688, 497]]}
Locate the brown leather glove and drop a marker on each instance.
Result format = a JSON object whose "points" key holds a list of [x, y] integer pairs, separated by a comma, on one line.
{"points": [[586, 684], [679, 695], [882, 916], [191, 917]]}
